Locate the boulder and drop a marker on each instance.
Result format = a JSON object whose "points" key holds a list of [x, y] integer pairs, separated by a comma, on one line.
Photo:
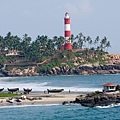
{"points": [[98, 99]]}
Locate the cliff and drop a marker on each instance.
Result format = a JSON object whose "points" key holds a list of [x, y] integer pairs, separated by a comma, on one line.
{"points": [[112, 66]]}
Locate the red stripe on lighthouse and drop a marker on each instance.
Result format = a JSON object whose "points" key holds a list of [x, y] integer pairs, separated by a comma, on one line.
{"points": [[67, 20], [67, 26], [67, 33]]}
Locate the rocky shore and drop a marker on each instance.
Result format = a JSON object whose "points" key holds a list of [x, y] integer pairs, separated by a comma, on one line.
{"points": [[111, 67], [98, 99], [79, 70]]}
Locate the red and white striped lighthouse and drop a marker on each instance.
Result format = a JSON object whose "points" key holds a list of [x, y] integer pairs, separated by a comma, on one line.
{"points": [[67, 32]]}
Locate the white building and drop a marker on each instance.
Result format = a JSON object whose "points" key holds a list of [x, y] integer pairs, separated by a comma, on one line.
{"points": [[12, 53]]}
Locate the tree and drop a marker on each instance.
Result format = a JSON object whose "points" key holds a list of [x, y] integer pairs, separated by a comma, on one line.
{"points": [[88, 39], [72, 38], [80, 40], [2, 59], [25, 44], [90, 42], [1, 44], [96, 41], [50, 44], [59, 41], [34, 52], [75, 45], [103, 43], [108, 45]]}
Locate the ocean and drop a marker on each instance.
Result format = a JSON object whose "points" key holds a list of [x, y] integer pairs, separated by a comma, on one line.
{"points": [[77, 83]]}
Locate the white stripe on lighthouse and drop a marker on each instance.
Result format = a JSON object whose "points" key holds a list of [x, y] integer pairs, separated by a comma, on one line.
{"points": [[67, 27]]}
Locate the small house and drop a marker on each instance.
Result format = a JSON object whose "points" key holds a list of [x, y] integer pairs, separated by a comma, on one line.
{"points": [[108, 87], [13, 53]]}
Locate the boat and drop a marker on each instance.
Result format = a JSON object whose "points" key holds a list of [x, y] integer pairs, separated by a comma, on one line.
{"points": [[55, 90], [13, 90], [27, 91], [9, 100], [18, 100], [1, 89]]}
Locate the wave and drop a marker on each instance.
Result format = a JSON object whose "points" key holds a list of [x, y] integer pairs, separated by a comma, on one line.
{"points": [[40, 84], [7, 78], [21, 106], [44, 86], [109, 106]]}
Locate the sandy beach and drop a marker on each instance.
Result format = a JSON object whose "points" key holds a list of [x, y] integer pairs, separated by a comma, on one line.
{"points": [[40, 98]]}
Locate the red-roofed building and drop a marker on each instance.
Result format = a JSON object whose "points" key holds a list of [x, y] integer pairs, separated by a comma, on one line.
{"points": [[109, 87]]}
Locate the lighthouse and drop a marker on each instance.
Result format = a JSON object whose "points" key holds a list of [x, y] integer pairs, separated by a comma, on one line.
{"points": [[67, 32]]}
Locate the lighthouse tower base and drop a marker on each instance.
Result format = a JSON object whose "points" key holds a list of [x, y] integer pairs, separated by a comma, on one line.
{"points": [[68, 46]]}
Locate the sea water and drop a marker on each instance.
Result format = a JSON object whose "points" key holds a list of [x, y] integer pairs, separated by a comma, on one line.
{"points": [[80, 83]]}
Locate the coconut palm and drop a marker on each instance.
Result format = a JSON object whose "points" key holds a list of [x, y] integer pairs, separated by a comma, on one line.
{"points": [[25, 44], [75, 45], [50, 45], [1, 44], [80, 40], [96, 41], [108, 45], [72, 38], [103, 43], [88, 39], [59, 41]]}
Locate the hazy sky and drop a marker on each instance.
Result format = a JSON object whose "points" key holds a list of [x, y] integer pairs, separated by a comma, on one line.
{"points": [[45, 17]]}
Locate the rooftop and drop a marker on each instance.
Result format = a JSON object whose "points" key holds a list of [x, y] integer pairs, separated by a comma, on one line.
{"points": [[109, 84]]}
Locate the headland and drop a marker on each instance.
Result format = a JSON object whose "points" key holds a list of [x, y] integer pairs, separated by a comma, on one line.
{"points": [[110, 65]]}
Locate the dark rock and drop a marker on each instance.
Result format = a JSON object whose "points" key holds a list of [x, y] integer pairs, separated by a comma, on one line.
{"points": [[98, 99], [65, 102]]}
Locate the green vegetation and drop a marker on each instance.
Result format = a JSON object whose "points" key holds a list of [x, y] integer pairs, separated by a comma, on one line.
{"points": [[2, 94], [85, 50]]}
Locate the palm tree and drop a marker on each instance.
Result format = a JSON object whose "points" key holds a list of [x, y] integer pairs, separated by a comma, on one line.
{"points": [[90, 42], [72, 38], [7, 40], [103, 43], [25, 44], [38, 40], [59, 41], [75, 45], [44, 40], [55, 39], [88, 39], [1, 44], [34, 52], [80, 40], [50, 44], [84, 39], [96, 41], [108, 45]]}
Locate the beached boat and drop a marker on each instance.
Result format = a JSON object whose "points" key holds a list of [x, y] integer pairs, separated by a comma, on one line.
{"points": [[13, 90], [1, 89], [9, 100], [54, 90], [18, 100], [27, 91]]}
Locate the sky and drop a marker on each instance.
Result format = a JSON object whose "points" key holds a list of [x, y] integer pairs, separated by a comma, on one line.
{"points": [[46, 17]]}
